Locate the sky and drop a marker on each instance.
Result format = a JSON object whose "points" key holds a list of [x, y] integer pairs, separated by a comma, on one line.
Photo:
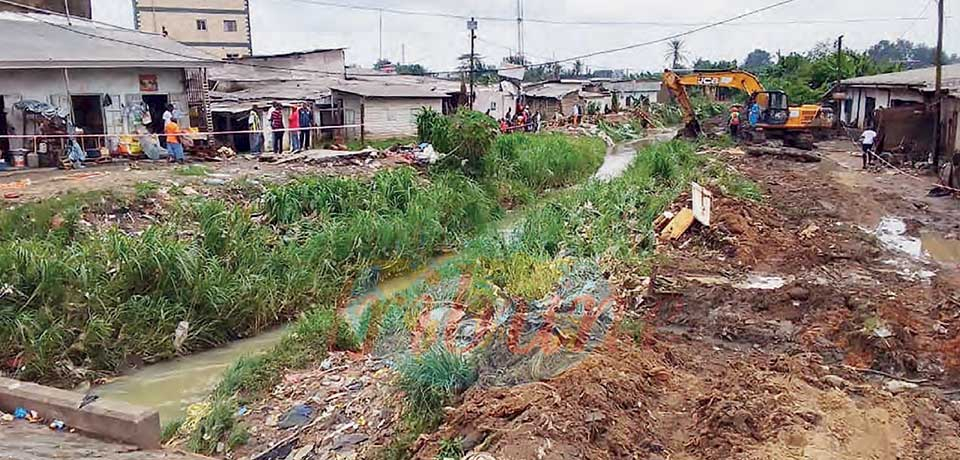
{"points": [[436, 42]]}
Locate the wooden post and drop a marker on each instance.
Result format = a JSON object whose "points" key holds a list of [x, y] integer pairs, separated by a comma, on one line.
{"points": [[938, 97], [363, 124]]}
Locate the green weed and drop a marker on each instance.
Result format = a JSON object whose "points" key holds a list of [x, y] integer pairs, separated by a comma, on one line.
{"points": [[432, 380], [191, 171]]}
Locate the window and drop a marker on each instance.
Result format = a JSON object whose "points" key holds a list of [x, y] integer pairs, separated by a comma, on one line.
{"points": [[201, 24], [229, 25], [493, 106], [233, 55]]}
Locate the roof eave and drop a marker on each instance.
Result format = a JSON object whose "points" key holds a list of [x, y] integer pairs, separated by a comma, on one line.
{"points": [[28, 65]]}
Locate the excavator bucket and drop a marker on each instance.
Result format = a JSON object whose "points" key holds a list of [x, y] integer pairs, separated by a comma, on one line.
{"points": [[691, 130]]}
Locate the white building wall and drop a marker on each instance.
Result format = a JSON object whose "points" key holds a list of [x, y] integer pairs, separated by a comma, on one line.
{"points": [[884, 98], [384, 117], [122, 85], [498, 102], [395, 117]]}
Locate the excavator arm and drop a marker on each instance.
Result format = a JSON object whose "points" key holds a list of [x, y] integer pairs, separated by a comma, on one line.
{"points": [[677, 84], [673, 82]]}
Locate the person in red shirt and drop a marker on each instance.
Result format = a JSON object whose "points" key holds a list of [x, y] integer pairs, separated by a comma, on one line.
{"points": [[294, 124], [276, 125]]}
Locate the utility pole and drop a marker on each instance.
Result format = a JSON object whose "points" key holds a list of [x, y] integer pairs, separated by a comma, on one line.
{"points": [[380, 29], [66, 74], [403, 53], [938, 60], [520, 31], [472, 27], [836, 87]]}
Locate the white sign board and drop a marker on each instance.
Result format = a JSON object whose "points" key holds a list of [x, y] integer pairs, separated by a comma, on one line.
{"points": [[702, 204]]}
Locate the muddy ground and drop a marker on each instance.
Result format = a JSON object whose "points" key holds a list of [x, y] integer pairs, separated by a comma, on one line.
{"points": [[819, 323]]}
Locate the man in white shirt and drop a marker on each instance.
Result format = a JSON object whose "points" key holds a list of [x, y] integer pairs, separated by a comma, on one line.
{"points": [[867, 139]]}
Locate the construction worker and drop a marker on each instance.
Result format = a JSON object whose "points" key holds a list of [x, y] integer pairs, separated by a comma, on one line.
{"points": [[174, 146], [734, 121]]}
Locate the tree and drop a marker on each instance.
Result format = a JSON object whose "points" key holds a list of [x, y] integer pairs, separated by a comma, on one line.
{"points": [[757, 61], [412, 69], [676, 53], [704, 64]]}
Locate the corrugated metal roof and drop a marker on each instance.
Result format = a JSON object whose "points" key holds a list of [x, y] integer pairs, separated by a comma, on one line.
{"points": [[385, 89], [552, 90], [45, 41], [918, 78], [632, 86]]}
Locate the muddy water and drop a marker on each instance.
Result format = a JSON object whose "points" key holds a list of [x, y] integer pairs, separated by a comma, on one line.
{"points": [[620, 157], [173, 385], [892, 233]]}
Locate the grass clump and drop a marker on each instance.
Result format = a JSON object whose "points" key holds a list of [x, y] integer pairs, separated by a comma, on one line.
{"points": [[431, 381], [191, 171]]}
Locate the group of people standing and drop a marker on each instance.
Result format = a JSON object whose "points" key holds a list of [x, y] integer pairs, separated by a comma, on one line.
{"points": [[735, 119], [299, 124], [523, 120]]}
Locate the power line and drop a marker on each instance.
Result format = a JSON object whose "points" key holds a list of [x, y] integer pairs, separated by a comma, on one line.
{"points": [[560, 61]]}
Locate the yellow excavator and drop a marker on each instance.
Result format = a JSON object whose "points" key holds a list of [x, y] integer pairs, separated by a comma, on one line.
{"points": [[797, 126]]}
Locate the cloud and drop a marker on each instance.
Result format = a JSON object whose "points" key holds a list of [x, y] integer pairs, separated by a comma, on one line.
{"points": [[288, 25]]}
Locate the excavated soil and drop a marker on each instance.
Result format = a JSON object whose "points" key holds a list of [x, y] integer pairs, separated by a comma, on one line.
{"points": [[787, 330]]}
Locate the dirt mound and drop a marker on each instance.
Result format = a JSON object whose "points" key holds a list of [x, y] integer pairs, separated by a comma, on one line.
{"points": [[597, 410]]}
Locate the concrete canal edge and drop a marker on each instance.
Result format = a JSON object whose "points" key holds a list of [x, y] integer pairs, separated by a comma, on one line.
{"points": [[111, 420]]}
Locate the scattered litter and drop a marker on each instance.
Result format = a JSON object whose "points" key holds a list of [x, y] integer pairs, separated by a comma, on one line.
{"points": [[298, 415], [836, 381], [899, 386], [761, 282], [301, 453], [678, 226], [11, 195], [214, 181], [882, 331], [20, 184], [20, 413], [57, 425], [810, 231], [243, 410], [180, 335]]}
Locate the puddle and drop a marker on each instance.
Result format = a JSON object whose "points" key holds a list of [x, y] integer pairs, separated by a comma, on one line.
{"points": [[941, 249], [761, 282], [892, 233]]}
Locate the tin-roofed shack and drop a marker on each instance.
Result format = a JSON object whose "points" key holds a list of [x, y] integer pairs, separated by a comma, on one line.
{"points": [[385, 110], [107, 81], [900, 104]]}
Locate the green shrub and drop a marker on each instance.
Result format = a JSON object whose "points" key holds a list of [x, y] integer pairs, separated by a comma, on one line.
{"points": [[432, 380]]}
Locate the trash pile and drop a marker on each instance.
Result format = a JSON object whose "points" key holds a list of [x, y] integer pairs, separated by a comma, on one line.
{"points": [[344, 408], [415, 154], [31, 416]]}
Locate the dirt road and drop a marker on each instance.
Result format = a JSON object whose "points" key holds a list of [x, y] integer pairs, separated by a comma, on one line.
{"points": [[819, 323]]}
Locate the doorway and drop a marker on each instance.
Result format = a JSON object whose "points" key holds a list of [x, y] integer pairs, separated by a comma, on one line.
{"points": [[88, 115], [869, 117], [4, 143], [156, 104]]}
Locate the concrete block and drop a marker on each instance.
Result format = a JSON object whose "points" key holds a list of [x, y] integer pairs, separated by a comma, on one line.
{"points": [[112, 420]]}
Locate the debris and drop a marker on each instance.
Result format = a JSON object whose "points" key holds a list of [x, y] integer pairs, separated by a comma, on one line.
{"points": [[836, 381], [20, 413], [298, 415], [180, 335], [678, 226], [57, 425], [214, 181], [20, 184], [899, 386], [348, 441], [11, 195], [802, 156], [882, 332], [189, 191], [4, 417], [301, 453], [810, 231], [87, 400], [702, 204], [82, 176]]}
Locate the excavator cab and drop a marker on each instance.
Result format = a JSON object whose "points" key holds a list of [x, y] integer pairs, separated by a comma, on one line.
{"points": [[774, 107]]}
